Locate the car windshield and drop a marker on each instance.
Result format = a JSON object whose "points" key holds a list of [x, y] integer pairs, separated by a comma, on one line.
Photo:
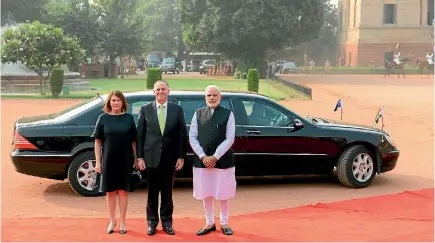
{"points": [[77, 109], [169, 60], [210, 62], [153, 58], [289, 64]]}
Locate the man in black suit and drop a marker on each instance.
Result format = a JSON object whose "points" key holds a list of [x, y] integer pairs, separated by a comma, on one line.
{"points": [[161, 149]]}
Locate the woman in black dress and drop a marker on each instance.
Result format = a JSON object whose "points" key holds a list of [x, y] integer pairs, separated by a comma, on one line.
{"points": [[115, 154]]}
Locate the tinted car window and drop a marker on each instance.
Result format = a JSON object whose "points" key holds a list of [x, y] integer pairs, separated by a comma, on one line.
{"points": [[191, 105], [77, 109], [135, 107], [169, 60], [263, 114]]}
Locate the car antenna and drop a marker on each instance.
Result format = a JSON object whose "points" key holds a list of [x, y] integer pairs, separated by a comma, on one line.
{"points": [[99, 96]]}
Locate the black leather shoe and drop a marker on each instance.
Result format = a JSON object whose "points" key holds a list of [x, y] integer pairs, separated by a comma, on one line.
{"points": [[151, 230], [205, 231], [169, 230], [227, 231]]}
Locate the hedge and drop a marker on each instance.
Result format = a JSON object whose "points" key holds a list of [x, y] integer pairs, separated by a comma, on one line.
{"points": [[56, 82], [153, 74], [253, 80]]}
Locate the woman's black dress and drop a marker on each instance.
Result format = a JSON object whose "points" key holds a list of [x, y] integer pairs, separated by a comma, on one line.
{"points": [[117, 132]]}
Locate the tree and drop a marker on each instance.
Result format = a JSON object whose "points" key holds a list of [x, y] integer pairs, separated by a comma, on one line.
{"points": [[77, 18], [162, 20], [324, 45], [17, 11], [245, 29], [122, 30], [41, 48]]}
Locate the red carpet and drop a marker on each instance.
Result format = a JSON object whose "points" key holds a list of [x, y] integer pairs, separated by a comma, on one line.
{"points": [[407, 216]]}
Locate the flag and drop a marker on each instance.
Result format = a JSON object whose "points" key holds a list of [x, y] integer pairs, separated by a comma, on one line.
{"points": [[379, 115], [339, 104]]}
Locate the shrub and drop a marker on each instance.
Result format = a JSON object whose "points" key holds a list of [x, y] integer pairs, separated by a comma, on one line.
{"points": [[253, 80], [56, 82], [153, 74], [238, 74]]}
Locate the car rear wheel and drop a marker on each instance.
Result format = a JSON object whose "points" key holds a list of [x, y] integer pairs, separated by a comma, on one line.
{"points": [[82, 175], [356, 167]]}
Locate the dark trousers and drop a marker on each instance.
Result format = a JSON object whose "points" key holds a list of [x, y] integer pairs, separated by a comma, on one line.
{"points": [[160, 180]]}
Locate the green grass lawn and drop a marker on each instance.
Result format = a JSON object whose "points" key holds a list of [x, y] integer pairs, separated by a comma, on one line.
{"points": [[269, 88]]}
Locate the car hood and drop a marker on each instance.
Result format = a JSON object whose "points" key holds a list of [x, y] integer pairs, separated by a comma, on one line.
{"points": [[322, 122]]}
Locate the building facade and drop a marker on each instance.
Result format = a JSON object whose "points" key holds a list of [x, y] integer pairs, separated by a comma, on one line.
{"points": [[369, 30]]}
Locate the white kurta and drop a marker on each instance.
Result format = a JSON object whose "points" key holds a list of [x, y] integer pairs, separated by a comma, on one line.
{"points": [[429, 58], [397, 58], [213, 182]]}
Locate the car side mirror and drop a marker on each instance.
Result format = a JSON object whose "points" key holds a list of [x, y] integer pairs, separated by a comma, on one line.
{"points": [[297, 124]]}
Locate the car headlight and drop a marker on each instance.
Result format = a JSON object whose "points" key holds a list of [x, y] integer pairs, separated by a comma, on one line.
{"points": [[388, 138]]}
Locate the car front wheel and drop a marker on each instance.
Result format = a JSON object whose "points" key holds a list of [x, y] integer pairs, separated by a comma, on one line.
{"points": [[82, 175], [356, 167]]}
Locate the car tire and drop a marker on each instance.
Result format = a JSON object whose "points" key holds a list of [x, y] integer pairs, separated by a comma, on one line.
{"points": [[350, 159], [82, 161]]}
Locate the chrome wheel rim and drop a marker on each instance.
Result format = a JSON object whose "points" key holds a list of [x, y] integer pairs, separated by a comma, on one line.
{"points": [[362, 167], [87, 176]]}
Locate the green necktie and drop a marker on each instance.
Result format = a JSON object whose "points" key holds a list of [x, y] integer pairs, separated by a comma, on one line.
{"points": [[162, 119]]}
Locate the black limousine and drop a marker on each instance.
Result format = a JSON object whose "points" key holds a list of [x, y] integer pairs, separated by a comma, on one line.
{"points": [[271, 140]]}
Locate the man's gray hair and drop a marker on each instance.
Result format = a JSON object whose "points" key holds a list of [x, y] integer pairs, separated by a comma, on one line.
{"points": [[213, 86]]}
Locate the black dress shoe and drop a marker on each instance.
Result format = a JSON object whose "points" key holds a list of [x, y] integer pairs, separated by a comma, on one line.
{"points": [[227, 231], [169, 230], [151, 230], [205, 231]]}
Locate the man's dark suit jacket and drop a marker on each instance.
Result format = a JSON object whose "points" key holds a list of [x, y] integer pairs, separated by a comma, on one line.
{"points": [[151, 144]]}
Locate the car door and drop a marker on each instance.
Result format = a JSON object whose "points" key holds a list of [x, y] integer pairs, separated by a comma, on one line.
{"points": [[190, 105], [272, 143]]}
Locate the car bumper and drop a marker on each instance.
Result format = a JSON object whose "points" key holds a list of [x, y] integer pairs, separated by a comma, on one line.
{"points": [[45, 165], [389, 160]]}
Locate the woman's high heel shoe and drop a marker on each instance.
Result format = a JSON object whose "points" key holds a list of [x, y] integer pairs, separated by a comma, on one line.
{"points": [[123, 230], [110, 230]]}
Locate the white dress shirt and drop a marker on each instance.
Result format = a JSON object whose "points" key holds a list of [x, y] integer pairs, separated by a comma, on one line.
{"points": [[165, 108], [222, 148]]}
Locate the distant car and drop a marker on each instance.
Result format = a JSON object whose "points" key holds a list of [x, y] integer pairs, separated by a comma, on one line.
{"points": [[205, 64], [140, 62], [153, 60], [271, 140], [289, 67], [170, 64]]}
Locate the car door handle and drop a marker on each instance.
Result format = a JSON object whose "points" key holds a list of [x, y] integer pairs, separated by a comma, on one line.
{"points": [[253, 132], [290, 129]]}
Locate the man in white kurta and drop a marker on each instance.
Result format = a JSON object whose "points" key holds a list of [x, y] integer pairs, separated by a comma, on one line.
{"points": [[429, 58], [210, 183], [397, 58]]}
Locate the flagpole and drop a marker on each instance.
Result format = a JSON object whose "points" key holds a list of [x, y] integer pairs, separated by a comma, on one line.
{"points": [[341, 108], [382, 138]]}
